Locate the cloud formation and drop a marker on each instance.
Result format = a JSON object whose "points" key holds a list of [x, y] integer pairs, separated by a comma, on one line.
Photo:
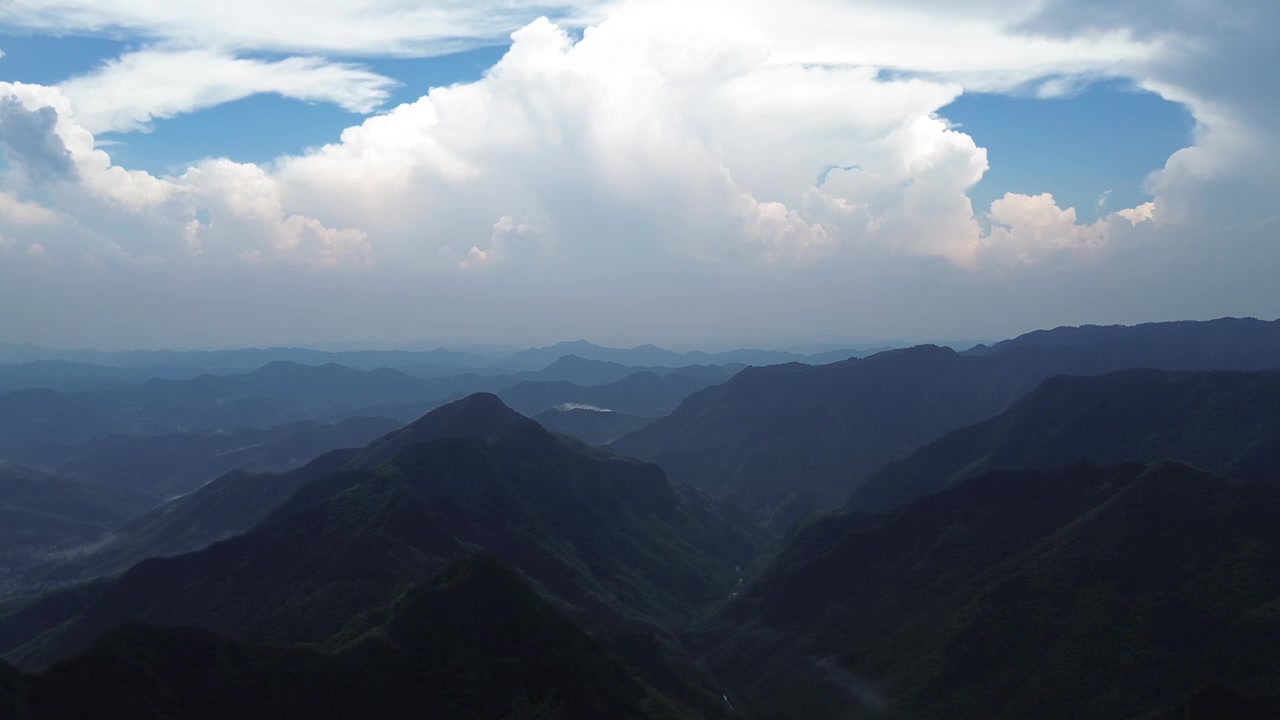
{"points": [[31, 142], [128, 93], [791, 164], [371, 27]]}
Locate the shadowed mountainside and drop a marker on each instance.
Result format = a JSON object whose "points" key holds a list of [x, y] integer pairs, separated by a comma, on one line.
{"points": [[1225, 422], [1006, 595], [792, 438], [473, 642], [607, 538]]}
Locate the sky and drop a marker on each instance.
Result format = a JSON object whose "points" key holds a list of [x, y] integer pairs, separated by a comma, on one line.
{"points": [[698, 174]]}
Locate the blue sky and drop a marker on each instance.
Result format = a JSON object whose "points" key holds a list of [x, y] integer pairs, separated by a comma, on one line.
{"points": [[1110, 136], [636, 171]]}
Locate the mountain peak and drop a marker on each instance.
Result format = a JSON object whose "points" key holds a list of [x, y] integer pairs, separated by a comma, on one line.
{"points": [[577, 361], [482, 415]]}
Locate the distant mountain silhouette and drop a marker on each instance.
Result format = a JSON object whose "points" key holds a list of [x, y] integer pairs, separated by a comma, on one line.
{"points": [[591, 426], [1225, 422], [793, 438], [1090, 592], [226, 507], [644, 394], [282, 393], [433, 363], [68, 376], [242, 359], [607, 537], [474, 642], [275, 394], [653, 356], [581, 371], [164, 466], [1223, 344]]}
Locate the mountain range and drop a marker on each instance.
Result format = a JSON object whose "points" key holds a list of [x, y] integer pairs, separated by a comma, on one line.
{"points": [[1087, 592], [281, 393], [591, 425], [44, 516], [166, 466], [429, 363], [475, 641], [607, 539], [1224, 422], [1076, 523], [790, 439]]}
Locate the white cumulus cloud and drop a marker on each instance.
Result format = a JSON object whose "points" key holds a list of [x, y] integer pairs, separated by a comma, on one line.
{"points": [[790, 157]]}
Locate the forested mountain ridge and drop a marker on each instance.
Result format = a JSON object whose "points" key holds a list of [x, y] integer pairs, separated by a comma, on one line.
{"points": [[607, 538], [475, 641], [793, 438], [1003, 596], [1225, 422]]}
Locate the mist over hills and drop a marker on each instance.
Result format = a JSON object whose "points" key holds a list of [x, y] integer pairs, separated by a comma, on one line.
{"points": [[240, 359], [165, 466], [20, 361], [285, 392], [651, 355], [1075, 508], [45, 516], [607, 538]]}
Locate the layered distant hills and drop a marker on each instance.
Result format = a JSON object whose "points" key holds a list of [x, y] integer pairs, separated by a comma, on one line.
{"points": [[1075, 523], [793, 438], [165, 466], [283, 393], [45, 516], [1225, 422], [606, 538], [22, 361]]}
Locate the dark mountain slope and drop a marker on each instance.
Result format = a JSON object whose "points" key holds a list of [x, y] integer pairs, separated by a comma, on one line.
{"points": [[806, 435], [224, 508], [1085, 593], [1223, 344], [236, 502], [780, 434], [606, 536], [475, 642], [1223, 422]]}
